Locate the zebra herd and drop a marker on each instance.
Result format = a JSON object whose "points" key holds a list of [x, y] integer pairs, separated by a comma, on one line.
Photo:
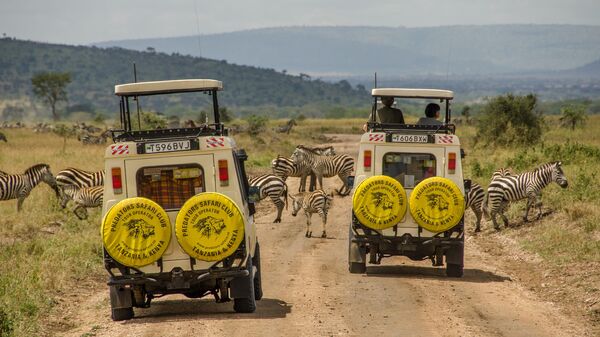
{"points": [[84, 188], [506, 187]]}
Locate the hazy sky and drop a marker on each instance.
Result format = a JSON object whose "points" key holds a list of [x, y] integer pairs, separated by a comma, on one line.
{"points": [[83, 22]]}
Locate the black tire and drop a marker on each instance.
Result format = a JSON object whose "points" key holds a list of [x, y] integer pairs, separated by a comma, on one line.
{"points": [[258, 293], [121, 314], [357, 268], [454, 270], [246, 305]]}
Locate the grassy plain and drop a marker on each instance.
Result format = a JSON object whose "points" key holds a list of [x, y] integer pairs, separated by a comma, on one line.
{"points": [[47, 254]]}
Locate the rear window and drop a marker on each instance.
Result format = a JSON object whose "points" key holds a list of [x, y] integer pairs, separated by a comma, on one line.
{"points": [[409, 168], [170, 186]]}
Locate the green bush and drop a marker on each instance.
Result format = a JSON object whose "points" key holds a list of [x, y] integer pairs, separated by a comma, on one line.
{"points": [[256, 124], [510, 120]]}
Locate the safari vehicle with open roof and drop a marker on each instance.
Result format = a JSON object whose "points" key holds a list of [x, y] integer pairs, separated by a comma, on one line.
{"points": [[177, 218], [408, 196]]}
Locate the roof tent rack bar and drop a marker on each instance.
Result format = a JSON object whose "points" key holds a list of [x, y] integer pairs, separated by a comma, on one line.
{"points": [[121, 112], [216, 107], [128, 122]]}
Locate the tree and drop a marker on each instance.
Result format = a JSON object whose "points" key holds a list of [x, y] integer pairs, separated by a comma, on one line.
{"points": [[572, 115], [466, 113], [51, 88], [510, 120]]}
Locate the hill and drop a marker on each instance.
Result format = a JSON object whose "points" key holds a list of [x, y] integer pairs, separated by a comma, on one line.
{"points": [[352, 51], [95, 71]]}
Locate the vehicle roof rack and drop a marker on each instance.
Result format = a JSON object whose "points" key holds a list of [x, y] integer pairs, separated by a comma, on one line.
{"points": [[144, 135], [411, 128], [167, 87]]}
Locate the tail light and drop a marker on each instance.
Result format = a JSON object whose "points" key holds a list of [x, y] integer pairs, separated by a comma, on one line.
{"points": [[117, 183], [223, 173], [451, 162], [367, 160]]}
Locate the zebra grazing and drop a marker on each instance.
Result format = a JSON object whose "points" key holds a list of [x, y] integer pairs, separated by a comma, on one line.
{"points": [[341, 165], [84, 197], [528, 185], [275, 188], [78, 178], [287, 127], [18, 186], [312, 202], [3, 137], [474, 200]]}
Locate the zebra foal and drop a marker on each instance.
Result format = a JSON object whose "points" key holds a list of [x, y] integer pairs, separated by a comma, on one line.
{"points": [[285, 167], [78, 178], [84, 197], [528, 185], [19, 186], [341, 165], [273, 187], [312, 202]]}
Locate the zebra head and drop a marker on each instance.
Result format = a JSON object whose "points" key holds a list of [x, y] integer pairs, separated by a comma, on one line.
{"points": [[67, 192], [39, 173], [297, 203], [558, 175]]}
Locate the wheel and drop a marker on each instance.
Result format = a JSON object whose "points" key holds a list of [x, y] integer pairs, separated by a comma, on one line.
{"points": [[121, 314], [246, 304], [357, 268], [258, 293], [454, 270]]}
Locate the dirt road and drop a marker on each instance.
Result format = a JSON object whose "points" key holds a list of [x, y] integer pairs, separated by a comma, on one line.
{"points": [[309, 292]]}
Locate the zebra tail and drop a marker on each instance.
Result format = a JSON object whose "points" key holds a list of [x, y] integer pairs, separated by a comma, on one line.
{"points": [[484, 208], [285, 195]]}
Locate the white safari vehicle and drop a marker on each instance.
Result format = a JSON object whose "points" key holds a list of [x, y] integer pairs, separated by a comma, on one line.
{"points": [[176, 214], [408, 196]]}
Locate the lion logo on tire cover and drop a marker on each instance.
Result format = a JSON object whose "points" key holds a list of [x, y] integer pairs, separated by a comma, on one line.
{"points": [[437, 206], [138, 227], [382, 200], [206, 226]]}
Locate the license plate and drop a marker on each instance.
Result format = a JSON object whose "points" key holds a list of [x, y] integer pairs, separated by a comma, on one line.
{"points": [[409, 138], [181, 145]]}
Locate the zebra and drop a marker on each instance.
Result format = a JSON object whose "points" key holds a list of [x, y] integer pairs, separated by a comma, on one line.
{"points": [[18, 186], [474, 200], [285, 167], [528, 185], [287, 127], [501, 172], [312, 202], [275, 188], [341, 165], [78, 178], [84, 197]]}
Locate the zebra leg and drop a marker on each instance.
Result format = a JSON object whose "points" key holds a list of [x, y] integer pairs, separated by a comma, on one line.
{"points": [[530, 202], [279, 204], [323, 215], [478, 215], [344, 191], [20, 203], [538, 204], [312, 183], [302, 186], [308, 231]]}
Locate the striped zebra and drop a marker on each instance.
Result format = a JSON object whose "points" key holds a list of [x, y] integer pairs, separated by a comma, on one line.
{"points": [[341, 165], [275, 188], [78, 178], [18, 186], [84, 197], [474, 200], [501, 172], [528, 185], [312, 202], [285, 167]]}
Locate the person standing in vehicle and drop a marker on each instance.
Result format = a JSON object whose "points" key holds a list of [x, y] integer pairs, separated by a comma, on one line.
{"points": [[432, 113], [387, 114]]}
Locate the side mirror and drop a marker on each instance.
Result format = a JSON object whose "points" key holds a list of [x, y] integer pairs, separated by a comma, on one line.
{"points": [[350, 182], [254, 194]]}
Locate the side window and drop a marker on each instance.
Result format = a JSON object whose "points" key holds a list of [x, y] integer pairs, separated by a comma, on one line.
{"points": [[409, 168], [170, 186]]}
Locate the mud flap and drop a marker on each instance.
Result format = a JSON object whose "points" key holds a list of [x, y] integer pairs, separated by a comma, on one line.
{"points": [[356, 253], [455, 255], [120, 297], [242, 287]]}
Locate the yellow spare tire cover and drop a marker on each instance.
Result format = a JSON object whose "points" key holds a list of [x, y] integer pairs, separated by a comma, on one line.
{"points": [[437, 204], [379, 202], [209, 226], [136, 232]]}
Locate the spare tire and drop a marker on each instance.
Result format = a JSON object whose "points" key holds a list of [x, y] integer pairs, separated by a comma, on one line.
{"points": [[136, 232], [379, 202], [209, 226], [437, 204]]}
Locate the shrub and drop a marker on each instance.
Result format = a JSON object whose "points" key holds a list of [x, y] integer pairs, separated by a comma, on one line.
{"points": [[256, 124], [510, 120]]}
